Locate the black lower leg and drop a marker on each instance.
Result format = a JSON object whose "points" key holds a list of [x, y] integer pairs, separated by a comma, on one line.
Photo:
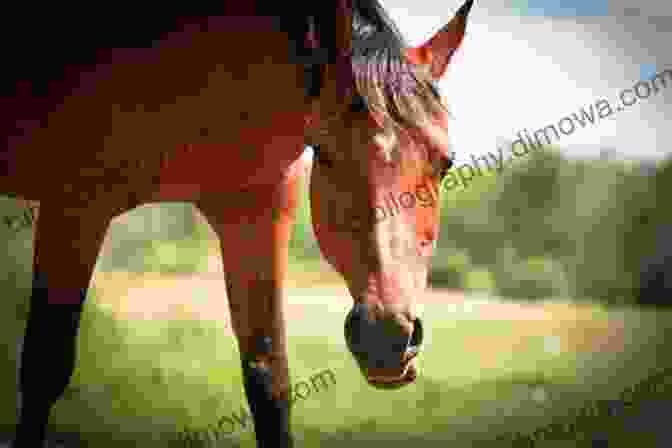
{"points": [[271, 415], [47, 360]]}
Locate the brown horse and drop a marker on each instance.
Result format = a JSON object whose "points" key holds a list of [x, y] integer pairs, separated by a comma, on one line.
{"points": [[213, 109]]}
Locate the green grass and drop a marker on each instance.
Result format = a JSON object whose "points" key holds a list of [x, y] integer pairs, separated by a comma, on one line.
{"points": [[137, 380]]}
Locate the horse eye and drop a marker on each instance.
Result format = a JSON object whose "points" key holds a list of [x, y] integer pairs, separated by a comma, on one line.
{"points": [[446, 164], [434, 88], [319, 157], [358, 104]]}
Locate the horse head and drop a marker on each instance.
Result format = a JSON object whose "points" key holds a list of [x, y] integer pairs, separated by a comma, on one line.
{"points": [[381, 148]]}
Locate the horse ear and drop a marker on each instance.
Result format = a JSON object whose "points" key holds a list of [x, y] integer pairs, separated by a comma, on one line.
{"points": [[437, 51]]}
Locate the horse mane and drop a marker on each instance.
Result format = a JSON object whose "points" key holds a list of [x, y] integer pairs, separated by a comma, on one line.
{"points": [[400, 91], [40, 44], [44, 50]]}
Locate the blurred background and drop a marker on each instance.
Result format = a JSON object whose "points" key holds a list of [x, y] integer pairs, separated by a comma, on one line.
{"points": [[548, 287]]}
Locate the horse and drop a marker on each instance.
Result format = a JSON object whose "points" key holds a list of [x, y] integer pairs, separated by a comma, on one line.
{"points": [[215, 110]]}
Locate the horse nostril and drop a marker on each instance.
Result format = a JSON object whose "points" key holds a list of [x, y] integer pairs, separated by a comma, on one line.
{"points": [[417, 337]]}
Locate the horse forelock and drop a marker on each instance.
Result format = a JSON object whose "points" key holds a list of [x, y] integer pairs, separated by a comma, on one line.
{"points": [[399, 92]]}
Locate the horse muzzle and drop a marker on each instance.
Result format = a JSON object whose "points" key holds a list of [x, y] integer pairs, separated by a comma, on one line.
{"points": [[385, 356]]}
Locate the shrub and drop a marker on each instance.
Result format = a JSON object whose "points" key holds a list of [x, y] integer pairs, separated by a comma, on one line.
{"points": [[479, 279], [449, 271], [532, 278]]}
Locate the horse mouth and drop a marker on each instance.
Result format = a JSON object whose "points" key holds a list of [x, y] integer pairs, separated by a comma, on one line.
{"points": [[405, 375], [382, 370]]}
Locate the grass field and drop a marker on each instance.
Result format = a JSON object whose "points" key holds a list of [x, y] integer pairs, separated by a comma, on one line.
{"points": [[488, 368]]}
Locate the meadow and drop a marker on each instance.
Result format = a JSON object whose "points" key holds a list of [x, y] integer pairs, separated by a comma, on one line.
{"points": [[489, 368], [519, 334]]}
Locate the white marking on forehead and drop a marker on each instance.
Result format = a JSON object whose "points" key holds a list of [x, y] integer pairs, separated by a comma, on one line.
{"points": [[436, 134], [387, 142]]}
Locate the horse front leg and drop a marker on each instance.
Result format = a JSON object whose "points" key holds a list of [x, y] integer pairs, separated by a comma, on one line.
{"points": [[66, 245], [254, 234]]}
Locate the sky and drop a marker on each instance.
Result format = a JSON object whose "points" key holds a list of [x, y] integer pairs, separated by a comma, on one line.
{"points": [[527, 64]]}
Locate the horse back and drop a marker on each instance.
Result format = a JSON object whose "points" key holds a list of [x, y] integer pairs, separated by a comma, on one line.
{"points": [[225, 82]]}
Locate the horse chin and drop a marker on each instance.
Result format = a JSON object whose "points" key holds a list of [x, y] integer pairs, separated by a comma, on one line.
{"points": [[409, 373]]}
